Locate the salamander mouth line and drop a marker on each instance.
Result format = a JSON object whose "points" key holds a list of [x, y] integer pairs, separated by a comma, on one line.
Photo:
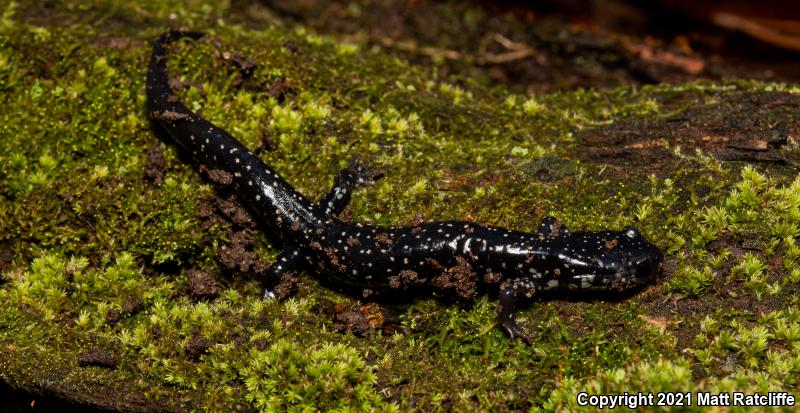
{"points": [[452, 257]]}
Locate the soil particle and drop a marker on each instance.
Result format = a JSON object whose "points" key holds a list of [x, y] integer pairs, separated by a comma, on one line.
{"points": [[236, 255], [6, 258], [123, 43], [555, 229], [287, 285], [266, 143], [383, 240], [201, 285], [404, 279], [353, 241], [347, 213], [232, 209], [131, 306], [279, 89], [177, 84], [208, 214], [98, 357], [363, 320], [113, 317], [244, 65], [170, 116], [435, 264], [196, 347], [243, 238], [218, 177], [334, 260], [155, 332], [619, 283], [155, 168], [459, 278], [260, 344]]}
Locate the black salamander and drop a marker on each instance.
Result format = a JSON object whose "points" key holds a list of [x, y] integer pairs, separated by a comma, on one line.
{"points": [[458, 257]]}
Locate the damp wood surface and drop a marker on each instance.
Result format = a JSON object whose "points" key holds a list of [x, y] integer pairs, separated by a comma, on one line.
{"points": [[125, 270]]}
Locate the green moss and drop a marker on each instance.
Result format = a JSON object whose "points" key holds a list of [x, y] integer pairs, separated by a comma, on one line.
{"points": [[331, 378], [661, 376]]}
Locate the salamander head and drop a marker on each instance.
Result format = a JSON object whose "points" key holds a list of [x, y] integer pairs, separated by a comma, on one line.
{"points": [[605, 260]]}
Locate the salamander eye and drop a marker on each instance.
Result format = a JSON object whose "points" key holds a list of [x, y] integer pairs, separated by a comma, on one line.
{"points": [[632, 233]]}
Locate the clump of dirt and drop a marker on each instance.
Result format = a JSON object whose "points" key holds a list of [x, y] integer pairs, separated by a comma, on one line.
{"points": [[279, 89], [237, 254], [156, 332], [132, 305], [362, 320], [177, 84], [404, 279], [287, 285], [460, 278], [218, 177], [155, 168], [196, 347], [235, 211], [98, 357], [113, 316], [201, 285], [6, 257], [383, 240], [209, 216]]}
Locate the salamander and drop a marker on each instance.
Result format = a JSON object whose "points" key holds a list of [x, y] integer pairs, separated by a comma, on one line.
{"points": [[452, 256]]}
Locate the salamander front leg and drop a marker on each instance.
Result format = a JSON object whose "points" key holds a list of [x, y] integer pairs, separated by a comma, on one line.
{"points": [[356, 174], [510, 296], [277, 280]]}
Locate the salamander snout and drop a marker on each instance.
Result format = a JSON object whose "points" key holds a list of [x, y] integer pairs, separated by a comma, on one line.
{"points": [[640, 259], [644, 264]]}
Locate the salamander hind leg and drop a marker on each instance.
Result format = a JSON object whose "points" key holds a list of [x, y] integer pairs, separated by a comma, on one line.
{"points": [[356, 174], [510, 295], [280, 279]]}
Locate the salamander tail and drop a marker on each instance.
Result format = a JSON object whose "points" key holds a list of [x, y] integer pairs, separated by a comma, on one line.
{"points": [[157, 80]]}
